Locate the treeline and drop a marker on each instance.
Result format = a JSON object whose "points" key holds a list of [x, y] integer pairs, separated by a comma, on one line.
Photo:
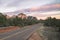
{"points": [[52, 22], [16, 21]]}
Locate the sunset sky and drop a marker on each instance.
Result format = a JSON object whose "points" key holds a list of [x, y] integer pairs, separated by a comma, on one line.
{"points": [[39, 8]]}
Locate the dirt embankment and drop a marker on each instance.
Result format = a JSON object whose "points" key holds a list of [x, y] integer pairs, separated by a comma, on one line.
{"points": [[8, 29], [35, 36]]}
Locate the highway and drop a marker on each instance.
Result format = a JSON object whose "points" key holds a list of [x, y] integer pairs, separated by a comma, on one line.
{"points": [[20, 34]]}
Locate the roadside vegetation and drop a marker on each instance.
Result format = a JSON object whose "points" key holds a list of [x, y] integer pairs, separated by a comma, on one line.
{"points": [[52, 22], [16, 21], [51, 29]]}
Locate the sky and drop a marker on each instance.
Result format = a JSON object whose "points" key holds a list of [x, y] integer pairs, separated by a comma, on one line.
{"points": [[14, 5]]}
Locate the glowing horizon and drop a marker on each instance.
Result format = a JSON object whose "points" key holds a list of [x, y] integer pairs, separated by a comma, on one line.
{"points": [[44, 15]]}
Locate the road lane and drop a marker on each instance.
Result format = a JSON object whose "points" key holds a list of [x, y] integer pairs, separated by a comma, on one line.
{"points": [[12, 32], [22, 34]]}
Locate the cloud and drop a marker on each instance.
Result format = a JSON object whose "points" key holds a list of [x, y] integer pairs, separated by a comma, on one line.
{"points": [[44, 15], [7, 9], [22, 4], [46, 7], [15, 3]]}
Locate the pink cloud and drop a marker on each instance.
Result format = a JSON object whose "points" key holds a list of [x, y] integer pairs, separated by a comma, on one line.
{"points": [[44, 15], [45, 7]]}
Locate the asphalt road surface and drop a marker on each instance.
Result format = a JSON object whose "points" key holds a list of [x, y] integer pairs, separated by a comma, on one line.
{"points": [[20, 34]]}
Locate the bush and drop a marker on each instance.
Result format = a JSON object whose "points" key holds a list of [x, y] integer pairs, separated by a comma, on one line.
{"points": [[53, 22], [16, 21]]}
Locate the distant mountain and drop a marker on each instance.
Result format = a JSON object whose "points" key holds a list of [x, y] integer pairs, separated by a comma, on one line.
{"points": [[45, 8]]}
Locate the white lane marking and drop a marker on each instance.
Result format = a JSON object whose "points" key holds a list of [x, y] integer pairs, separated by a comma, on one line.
{"points": [[13, 35]]}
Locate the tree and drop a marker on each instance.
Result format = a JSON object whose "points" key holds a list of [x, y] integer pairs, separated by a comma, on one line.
{"points": [[32, 20], [20, 20], [3, 20], [50, 21]]}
